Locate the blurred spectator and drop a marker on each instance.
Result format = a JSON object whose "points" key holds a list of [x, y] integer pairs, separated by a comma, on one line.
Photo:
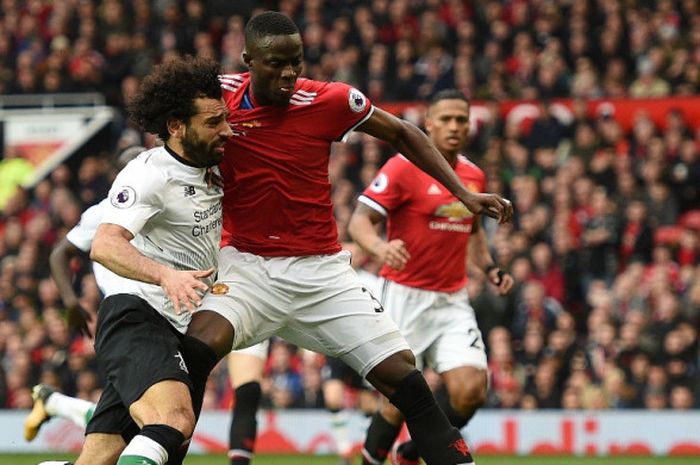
{"points": [[597, 291]]}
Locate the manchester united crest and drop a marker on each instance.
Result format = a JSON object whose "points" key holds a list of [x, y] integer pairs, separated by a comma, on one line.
{"points": [[219, 289]]}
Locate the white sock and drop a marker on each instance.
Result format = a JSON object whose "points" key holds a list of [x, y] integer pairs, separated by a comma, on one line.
{"points": [[339, 429], [143, 450], [79, 411]]}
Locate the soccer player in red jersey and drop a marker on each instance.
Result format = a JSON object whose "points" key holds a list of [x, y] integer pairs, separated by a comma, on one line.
{"points": [[429, 236], [281, 268]]}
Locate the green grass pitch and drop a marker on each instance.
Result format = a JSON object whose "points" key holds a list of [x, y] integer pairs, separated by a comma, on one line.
{"points": [[33, 459]]}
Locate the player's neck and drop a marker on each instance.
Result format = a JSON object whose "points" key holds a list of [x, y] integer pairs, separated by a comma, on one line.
{"points": [[451, 158]]}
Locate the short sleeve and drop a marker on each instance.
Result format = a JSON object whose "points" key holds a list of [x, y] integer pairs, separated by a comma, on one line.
{"points": [[345, 108], [83, 233], [135, 197], [388, 190]]}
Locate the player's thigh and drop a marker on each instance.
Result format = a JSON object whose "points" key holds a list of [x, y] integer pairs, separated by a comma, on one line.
{"points": [[411, 309], [101, 449], [340, 317], [458, 340], [247, 365], [245, 295]]}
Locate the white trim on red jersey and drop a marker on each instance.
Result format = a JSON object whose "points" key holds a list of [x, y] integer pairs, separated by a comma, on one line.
{"points": [[345, 136], [373, 205]]}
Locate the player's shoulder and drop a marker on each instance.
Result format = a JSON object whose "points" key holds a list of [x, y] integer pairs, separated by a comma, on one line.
{"points": [[152, 165], [400, 163], [233, 82], [469, 166], [399, 169], [312, 91]]}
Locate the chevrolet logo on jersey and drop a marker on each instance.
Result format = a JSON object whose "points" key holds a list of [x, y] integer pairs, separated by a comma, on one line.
{"points": [[251, 124], [455, 211]]}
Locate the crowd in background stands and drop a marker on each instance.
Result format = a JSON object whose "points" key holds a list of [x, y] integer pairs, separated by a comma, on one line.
{"points": [[606, 309]]}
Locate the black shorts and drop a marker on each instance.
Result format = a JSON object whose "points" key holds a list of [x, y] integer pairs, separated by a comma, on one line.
{"points": [[335, 368], [137, 348]]}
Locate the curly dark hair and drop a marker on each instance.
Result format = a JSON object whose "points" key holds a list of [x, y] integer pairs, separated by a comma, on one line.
{"points": [[169, 92], [269, 23]]}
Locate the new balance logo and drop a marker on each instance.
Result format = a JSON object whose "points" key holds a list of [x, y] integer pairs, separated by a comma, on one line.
{"points": [[189, 191], [183, 366], [434, 190]]}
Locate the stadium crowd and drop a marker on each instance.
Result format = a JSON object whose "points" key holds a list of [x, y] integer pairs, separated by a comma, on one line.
{"points": [[607, 307]]}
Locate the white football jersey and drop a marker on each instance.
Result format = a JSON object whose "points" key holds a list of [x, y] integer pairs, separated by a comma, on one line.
{"points": [[82, 235], [175, 219]]}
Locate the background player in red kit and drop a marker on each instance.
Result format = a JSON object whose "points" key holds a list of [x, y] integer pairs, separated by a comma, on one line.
{"points": [[281, 268], [429, 236]]}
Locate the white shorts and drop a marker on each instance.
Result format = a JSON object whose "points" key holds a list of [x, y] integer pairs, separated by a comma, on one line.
{"points": [[316, 302], [259, 350], [440, 327]]}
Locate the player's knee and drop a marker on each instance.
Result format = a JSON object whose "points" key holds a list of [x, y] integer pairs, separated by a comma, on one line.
{"points": [[407, 359], [212, 329], [182, 419]]}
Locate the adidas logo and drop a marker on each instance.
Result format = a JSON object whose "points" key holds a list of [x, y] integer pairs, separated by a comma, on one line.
{"points": [[434, 190]]}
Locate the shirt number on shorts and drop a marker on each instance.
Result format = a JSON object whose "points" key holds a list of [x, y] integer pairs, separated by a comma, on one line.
{"points": [[378, 308], [474, 336]]}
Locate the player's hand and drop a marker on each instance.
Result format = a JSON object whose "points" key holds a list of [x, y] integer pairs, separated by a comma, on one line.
{"points": [[181, 287], [78, 319], [502, 280], [492, 205], [393, 254]]}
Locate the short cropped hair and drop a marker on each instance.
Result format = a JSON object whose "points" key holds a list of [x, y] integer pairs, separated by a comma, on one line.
{"points": [[447, 94], [169, 92], [269, 23]]}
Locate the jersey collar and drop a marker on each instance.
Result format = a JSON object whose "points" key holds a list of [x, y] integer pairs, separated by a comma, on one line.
{"points": [[177, 157]]}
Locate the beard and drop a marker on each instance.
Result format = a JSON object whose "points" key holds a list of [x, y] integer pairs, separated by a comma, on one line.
{"points": [[201, 152]]}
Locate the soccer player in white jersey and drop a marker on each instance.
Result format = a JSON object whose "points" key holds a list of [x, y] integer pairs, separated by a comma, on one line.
{"points": [[77, 242], [245, 366], [161, 231], [281, 269], [429, 236]]}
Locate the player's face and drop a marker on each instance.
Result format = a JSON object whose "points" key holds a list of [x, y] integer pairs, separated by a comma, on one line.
{"points": [[447, 123], [275, 63], [206, 133]]}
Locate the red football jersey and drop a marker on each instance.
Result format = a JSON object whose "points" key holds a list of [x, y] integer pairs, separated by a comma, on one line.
{"points": [[277, 197], [433, 224]]}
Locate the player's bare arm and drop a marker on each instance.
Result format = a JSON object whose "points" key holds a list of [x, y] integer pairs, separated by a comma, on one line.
{"points": [[417, 147], [479, 255], [112, 249], [59, 261], [362, 229]]}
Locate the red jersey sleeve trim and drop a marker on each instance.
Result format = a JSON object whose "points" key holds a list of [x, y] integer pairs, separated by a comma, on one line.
{"points": [[373, 204], [346, 134]]}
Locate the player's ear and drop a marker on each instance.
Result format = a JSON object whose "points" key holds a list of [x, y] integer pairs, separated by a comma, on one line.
{"points": [[245, 56], [175, 127]]}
